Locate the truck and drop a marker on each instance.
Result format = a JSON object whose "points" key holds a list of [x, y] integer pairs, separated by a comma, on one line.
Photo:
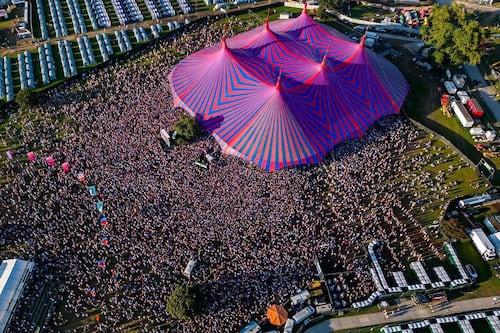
{"points": [[475, 108], [483, 245], [459, 81], [462, 114]]}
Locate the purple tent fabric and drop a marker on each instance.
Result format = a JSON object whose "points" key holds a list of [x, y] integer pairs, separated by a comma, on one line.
{"points": [[287, 92]]}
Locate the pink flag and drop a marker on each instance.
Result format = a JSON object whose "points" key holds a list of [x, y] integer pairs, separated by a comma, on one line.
{"points": [[65, 167], [10, 155], [50, 161], [31, 156]]}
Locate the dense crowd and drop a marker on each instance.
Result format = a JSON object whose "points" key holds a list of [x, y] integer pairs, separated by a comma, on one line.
{"points": [[255, 234]]}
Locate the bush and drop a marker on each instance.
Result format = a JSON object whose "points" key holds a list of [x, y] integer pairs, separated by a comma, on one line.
{"points": [[27, 99], [187, 129], [185, 301]]}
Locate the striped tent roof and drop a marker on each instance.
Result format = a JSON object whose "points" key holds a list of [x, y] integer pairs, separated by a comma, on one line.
{"points": [[287, 92]]}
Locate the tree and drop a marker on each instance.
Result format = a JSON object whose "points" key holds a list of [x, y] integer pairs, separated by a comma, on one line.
{"points": [[26, 99], [187, 129], [456, 40], [185, 301]]}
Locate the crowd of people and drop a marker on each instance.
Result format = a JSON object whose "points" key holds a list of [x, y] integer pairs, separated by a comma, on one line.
{"points": [[255, 234]]}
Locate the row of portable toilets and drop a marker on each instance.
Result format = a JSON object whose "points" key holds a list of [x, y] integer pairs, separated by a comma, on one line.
{"points": [[76, 17], [86, 51], [6, 84], [47, 65], [173, 25], [140, 34], [98, 15], [155, 30], [123, 40], [67, 59], [104, 46], [57, 18], [41, 18], [26, 74], [160, 8]]}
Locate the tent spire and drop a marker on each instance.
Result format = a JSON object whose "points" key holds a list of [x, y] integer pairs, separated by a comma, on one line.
{"points": [[278, 82], [304, 10], [266, 24], [323, 62], [223, 42], [362, 42]]}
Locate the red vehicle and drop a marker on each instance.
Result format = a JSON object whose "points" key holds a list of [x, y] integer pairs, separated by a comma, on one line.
{"points": [[474, 107]]}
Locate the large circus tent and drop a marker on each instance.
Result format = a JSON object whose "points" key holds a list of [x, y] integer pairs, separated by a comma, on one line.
{"points": [[287, 92]]}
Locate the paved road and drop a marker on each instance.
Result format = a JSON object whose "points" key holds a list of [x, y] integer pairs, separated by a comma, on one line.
{"points": [[487, 97], [406, 314]]}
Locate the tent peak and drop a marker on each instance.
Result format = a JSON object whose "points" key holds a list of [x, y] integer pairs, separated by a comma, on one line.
{"points": [[304, 10], [325, 59], [223, 42], [362, 42], [266, 24], [278, 82], [323, 62]]}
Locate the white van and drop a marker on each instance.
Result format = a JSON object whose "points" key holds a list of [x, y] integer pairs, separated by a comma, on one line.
{"points": [[189, 268], [303, 314], [300, 297], [289, 326]]}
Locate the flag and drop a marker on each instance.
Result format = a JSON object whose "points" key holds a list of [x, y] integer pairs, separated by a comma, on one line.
{"points": [[10, 155], [50, 161], [100, 206], [104, 241], [104, 220], [92, 191], [92, 292], [97, 317], [101, 263], [31, 156], [81, 177], [65, 167]]}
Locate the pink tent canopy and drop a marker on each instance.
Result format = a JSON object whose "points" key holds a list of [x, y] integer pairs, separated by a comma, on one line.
{"points": [[287, 92]]}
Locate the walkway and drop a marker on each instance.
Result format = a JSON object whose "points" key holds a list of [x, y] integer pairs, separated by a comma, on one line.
{"points": [[409, 313]]}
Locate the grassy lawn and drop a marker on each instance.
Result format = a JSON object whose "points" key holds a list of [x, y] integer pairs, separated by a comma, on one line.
{"points": [[487, 283], [368, 13]]}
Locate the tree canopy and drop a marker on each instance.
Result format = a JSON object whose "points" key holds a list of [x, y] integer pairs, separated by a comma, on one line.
{"points": [[187, 129], [26, 99], [456, 40], [185, 301]]}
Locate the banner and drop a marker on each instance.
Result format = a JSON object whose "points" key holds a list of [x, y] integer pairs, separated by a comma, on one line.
{"points": [[104, 221], [50, 161], [92, 190], [65, 167], [100, 206], [31, 156]]}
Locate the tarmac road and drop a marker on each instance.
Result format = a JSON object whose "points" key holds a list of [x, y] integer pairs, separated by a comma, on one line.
{"points": [[408, 312]]}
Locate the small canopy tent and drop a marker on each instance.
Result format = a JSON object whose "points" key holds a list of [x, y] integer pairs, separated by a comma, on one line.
{"points": [[277, 315]]}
